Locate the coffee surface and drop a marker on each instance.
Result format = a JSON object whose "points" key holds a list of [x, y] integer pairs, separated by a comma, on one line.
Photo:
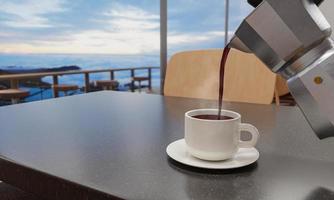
{"points": [[221, 80], [212, 117]]}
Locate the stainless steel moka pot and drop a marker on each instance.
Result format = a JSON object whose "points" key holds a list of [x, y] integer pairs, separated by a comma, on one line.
{"points": [[292, 37]]}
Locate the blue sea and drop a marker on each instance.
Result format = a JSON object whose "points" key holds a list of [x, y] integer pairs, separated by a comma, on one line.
{"points": [[84, 61]]}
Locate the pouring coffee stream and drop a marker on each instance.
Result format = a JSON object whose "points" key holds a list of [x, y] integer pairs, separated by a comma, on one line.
{"points": [[221, 79]]}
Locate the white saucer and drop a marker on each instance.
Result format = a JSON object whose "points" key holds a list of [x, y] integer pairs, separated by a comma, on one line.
{"points": [[245, 156]]}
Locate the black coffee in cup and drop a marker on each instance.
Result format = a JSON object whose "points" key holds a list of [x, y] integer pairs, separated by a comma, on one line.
{"points": [[212, 117]]}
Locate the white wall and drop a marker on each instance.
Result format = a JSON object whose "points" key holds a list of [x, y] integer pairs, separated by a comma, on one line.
{"points": [[327, 8]]}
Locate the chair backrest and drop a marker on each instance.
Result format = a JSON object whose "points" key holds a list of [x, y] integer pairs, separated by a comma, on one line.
{"points": [[195, 74], [282, 86], [248, 80]]}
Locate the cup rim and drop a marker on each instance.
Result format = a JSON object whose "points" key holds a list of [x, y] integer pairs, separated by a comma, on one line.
{"points": [[187, 114]]}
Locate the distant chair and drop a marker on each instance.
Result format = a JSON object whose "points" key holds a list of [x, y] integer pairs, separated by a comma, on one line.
{"points": [[195, 74], [65, 88], [14, 95], [107, 84], [140, 79]]}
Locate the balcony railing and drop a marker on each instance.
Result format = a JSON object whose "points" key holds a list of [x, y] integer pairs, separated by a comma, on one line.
{"points": [[15, 78]]}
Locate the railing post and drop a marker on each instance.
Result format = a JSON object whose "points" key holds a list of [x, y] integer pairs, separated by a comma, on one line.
{"points": [[55, 82], [112, 75], [150, 78], [14, 83], [132, 81], [87, 82]]}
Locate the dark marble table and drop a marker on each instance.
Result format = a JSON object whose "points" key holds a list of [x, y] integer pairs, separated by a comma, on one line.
{"points": [[111, 145]]}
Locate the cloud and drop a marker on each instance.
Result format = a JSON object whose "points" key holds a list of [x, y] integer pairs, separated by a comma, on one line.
{"points": [[105, 42], [122, 25], [123, 33], [30, 13], [196, 38], [5, 34], [130, 12], [126, 30], [120, 29], [126, 18]]}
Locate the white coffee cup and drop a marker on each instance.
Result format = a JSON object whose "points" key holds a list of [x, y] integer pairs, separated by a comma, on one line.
{"points": [[216, 140]]}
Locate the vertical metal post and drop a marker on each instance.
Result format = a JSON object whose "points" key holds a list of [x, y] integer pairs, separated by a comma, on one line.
{"points": [[227, 9], [163, 43], [14, 83], [112, 75], [55, 82], [150, 79], [132, 80], [87, 82]]}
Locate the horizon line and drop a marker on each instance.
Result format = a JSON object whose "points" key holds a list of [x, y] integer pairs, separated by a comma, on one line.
{"points": [[18, 53]]}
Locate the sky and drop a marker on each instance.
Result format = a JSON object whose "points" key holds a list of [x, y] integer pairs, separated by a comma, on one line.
{"points": [[120, 27]]}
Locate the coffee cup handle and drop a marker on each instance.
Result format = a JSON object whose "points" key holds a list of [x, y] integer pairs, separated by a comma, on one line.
{"points": [[253, 131]]}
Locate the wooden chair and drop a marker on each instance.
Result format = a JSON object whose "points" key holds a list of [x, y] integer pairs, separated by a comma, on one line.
{"points": [[65, 88], [14, 95], [140, 79], [107, 84], [282, 93], [195, 74]]}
